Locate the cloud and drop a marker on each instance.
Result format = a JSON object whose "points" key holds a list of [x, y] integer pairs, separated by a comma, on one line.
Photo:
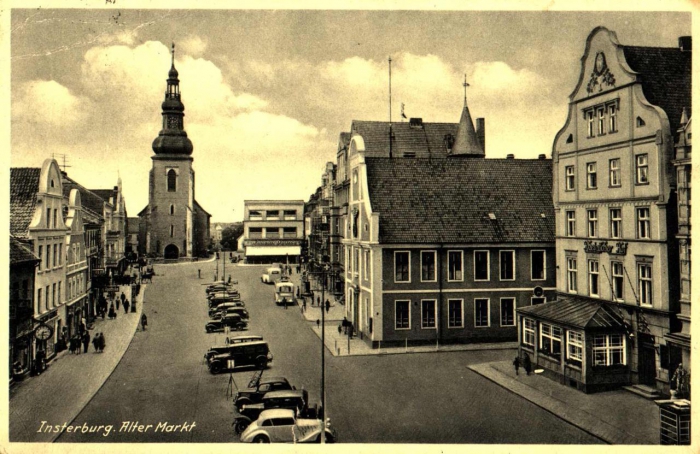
{"points": [[48, 102], [192, 45]]}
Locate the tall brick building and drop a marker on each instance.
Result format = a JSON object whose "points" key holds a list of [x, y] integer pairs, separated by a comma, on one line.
{"points": [[173, 225]]}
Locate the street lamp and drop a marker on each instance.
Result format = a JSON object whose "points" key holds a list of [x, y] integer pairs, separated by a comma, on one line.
{"points": [[324, 268]]}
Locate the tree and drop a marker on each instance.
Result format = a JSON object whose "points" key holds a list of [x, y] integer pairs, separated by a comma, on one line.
{"points": [[229, 236]]}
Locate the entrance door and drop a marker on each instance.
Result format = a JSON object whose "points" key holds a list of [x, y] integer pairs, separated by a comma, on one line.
{"points": [[171, 252], [647, 364]]}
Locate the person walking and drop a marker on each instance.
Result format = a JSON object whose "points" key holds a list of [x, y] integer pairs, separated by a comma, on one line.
{"points": [[112, 312], [126, 306], [103, 342], [328, 306], [144, 322], [304, 304], [96, 342], [133, 305], [76, 344], [516, 364], [122, 297], [86, 341], [527, 364]]}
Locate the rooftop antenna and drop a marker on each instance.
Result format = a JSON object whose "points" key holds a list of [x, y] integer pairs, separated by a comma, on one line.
{"points": [[63, 158], [390, 125], [465, 85]]}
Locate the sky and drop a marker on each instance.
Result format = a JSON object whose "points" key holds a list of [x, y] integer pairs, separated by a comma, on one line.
{"points": [[267, 92]]}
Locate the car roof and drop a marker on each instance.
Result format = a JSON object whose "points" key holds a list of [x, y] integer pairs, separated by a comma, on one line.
{"points": [[285, 393], [284, 283], [277, 413], [272, 380]]}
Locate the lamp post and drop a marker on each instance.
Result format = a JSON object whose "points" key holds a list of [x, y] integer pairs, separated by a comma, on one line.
{"points": [[324, 268]]}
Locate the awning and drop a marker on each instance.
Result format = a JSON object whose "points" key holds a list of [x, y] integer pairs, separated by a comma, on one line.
{"points": [[251, 251]]}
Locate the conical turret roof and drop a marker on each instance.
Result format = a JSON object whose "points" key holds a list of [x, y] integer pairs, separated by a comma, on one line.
{"points": [[467, 141]]}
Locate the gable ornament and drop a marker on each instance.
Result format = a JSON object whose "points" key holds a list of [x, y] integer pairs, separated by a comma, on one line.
{"points": [[601, 76]]}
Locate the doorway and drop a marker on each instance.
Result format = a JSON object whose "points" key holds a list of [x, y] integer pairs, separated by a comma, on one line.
{"points": [[171, 252], [647, 364]]}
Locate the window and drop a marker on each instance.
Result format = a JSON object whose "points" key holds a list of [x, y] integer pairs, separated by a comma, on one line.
{"points": [[59, 293], [507, 311], [455, 309], [643, 224], [529, 332], [53, 294], [290, 215], [570, 223], [41, 256], [38, 300], [172, 231], [427, 266], [402, 267], [367, 267], [642, 169], [612, 111], [601, 121], [172, 180], [272, 214], [550, 339], [255, 215], [55, 254], [609, 350], [592, 223], [591, 176], [535, 300], [589, 119], [644, 273], [570, 178], [481, 312], [571, 274], [615, 173], [272, 232], [481, 265], [574, 346], [48, 218], [593, 275], [507, 265], [60, 254], [538, 265], [46, 295], [428, 312], [615, 222], [618, 280], [455, 263], [289, 232], [55, 218], [403, 315], [172, 209], [255, 232]]}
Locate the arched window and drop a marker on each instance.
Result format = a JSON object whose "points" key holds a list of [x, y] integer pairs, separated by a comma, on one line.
{"points": [[172, 230], [172, 180], [172, 209]]}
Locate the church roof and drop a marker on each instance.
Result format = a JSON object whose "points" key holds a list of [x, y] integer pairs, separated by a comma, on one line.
{"points": [[24, 186], [462, 200], [467, 141]]}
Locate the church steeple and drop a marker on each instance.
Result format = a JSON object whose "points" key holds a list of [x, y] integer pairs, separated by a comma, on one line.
{"points": [[172, 139], [467, 142]]}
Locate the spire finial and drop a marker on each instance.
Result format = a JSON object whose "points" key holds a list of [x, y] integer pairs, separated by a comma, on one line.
{"points": [[465, 85], [172, 51]]}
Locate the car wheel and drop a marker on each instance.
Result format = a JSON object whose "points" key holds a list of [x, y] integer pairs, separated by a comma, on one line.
{"points": [[240, 425], [208, 328], [261, 439], [215, 369]]}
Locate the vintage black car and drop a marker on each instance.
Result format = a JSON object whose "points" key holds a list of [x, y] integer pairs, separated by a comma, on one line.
{"points": [[230, 342], [256, 354], [225, 299], [233, 321], [254, 394], [223, 312], [292, 399]]}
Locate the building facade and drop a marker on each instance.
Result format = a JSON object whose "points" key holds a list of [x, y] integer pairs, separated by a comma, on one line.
{"points": [[273, 230], [615, 203], [173, 225], [23, 264], [77, 286]]}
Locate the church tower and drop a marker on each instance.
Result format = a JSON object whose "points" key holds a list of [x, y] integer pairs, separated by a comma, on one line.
{"points": [[171, 203]]}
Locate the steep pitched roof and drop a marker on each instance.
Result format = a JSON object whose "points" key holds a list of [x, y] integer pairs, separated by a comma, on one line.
{"points": [[92, 204], [666, 77], [24, 185], [427, 140], [577, 312], [448, 200], [19, 253], [104, 194], [199, 208], [467, 141]]}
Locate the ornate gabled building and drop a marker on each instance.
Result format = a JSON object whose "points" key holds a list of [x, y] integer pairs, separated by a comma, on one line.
{"points": [[173, 225], [615, 203]]}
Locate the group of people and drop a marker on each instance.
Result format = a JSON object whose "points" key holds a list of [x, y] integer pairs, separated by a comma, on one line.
{"points": [[113, 310], [526, 363], [75, 341], [98, 342]]}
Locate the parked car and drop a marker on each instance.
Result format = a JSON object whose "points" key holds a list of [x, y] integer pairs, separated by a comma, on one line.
{"points": [[228, 299], [293, 399], [281, 425], [256, 353], [230, 311], [271, 275], [225, 306], [254, 395], [233, 321], [230, 342], [223, 293]]}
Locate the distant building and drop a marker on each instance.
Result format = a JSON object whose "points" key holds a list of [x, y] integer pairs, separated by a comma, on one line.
{"points": [[273, 230], [615, 203], [173, 225]]}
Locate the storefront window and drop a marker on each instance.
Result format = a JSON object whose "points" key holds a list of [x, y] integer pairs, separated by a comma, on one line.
{"points": [[609, 350], [529, 332], [574, 343], [550, 339]]}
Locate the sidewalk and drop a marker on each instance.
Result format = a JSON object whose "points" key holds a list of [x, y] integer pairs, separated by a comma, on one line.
{"points": [[616, 417], [59, 394]]}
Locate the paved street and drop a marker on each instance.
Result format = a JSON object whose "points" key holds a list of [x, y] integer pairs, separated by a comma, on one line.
{"points": [[415, 398]]}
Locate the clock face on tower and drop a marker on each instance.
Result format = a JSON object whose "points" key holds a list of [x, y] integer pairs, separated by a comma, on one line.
{"points": [[173, 122]]}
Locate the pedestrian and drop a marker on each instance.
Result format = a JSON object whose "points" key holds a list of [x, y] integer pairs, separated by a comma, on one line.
{"points": [[328, 306], [304, 304], [345, 325], [284, 301], [76, 340], [144, 322], [112, 312], [527, 364], [199, 274], [86, 341], [103, 342], [318, 301], [516, 364], [133, 305], [122, 297], [126, 306], [229, 279], [96, 342], [340, 329], [71, 345], [318, 323]]}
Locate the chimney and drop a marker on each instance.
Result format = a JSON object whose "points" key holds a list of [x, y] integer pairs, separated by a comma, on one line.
{"points": [[481, 132], [685, 43], [510, 156], [542, 156]]}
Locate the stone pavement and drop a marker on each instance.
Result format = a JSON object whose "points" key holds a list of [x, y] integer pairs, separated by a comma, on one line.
{"points": [[60, 393], [616, 417]]}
